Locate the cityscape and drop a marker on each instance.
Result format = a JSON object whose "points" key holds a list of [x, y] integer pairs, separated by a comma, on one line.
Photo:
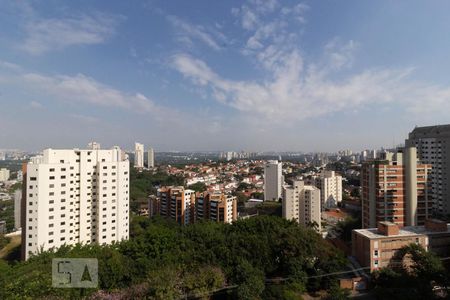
{"points": [[255, 149]]}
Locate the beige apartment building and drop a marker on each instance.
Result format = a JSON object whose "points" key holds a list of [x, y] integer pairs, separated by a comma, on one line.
{"points": [[396, 189], [377, 247], [301, 203], [186, 206]]}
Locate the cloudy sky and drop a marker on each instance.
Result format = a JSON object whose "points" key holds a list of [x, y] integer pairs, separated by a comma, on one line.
{"points": [[222, 75]]}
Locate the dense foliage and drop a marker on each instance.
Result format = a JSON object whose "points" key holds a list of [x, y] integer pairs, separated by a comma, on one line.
{"points": [[346, 227], [144, 183], [418, 274], [163, 260], [7, 213]]}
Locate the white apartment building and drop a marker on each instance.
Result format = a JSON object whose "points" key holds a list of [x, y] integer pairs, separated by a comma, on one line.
{"points": [[433, 148], [4, 174], [150, 158], [139, 155], [330, 186], [302, 203], [273, 180], [75, 196]]}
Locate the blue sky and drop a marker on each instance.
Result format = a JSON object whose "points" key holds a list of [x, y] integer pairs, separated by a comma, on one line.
{"points": [[222, 75]]}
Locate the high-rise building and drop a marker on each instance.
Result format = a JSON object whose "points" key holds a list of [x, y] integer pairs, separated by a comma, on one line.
{"points": [[150, 158], [176, 203], [273, 180], [94, 146], [186, 206], [302, 203], [395, 189], [139, 155], [4, 174], [75, 196], [433, 147], [17, 208], [217, 207], [330, 186]]}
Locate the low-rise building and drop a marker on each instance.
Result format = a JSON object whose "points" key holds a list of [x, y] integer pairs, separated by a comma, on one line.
{"points": [[377, 247]]}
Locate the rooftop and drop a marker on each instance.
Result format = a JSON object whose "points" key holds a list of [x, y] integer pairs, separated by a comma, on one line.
{"points": [[373, 233]]}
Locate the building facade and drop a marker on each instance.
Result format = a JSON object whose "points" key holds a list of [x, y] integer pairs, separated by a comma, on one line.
{"points": [[330, 186], [139, 155], [17, 209], [4, 174], [395, 189], [273, 180], [176, 203], [75, 196], [187, 206], [377, 247], [302, 203], [433, 147], [150, 158]]}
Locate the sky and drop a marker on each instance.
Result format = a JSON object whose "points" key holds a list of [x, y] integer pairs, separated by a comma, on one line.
{"points": [[202, 75]]}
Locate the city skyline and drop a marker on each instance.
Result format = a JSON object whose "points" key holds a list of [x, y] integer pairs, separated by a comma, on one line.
{"points": [[253, 75]]}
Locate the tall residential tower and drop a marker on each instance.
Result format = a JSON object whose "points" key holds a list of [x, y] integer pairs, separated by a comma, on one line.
{"points": [[273, 180], [139, 155], [395, 189], [433, 147], [75, 196]]}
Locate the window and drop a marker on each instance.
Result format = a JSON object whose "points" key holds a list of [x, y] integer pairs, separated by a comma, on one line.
{"points": [[52, 170], [32, 178]]}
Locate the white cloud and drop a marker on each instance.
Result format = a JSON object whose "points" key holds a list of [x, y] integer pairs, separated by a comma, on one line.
{"points": [[187, 32], [35, 105], [81, 88], [43, 35], [84, 118], [295, 92]]}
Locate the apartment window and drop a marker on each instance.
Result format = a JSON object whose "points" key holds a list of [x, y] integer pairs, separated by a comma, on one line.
{"points": [[30, 195], [63, 239], [105, 167], [52, 177], [52, 170], [32, 178], [51, 209], [50, 225], [51, 201], [61, 161], [51, 194], [50, 233], [51, 186]]}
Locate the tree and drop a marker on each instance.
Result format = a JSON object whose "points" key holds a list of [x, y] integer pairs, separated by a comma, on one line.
{"points": [[198, 187], [416, 277]]}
